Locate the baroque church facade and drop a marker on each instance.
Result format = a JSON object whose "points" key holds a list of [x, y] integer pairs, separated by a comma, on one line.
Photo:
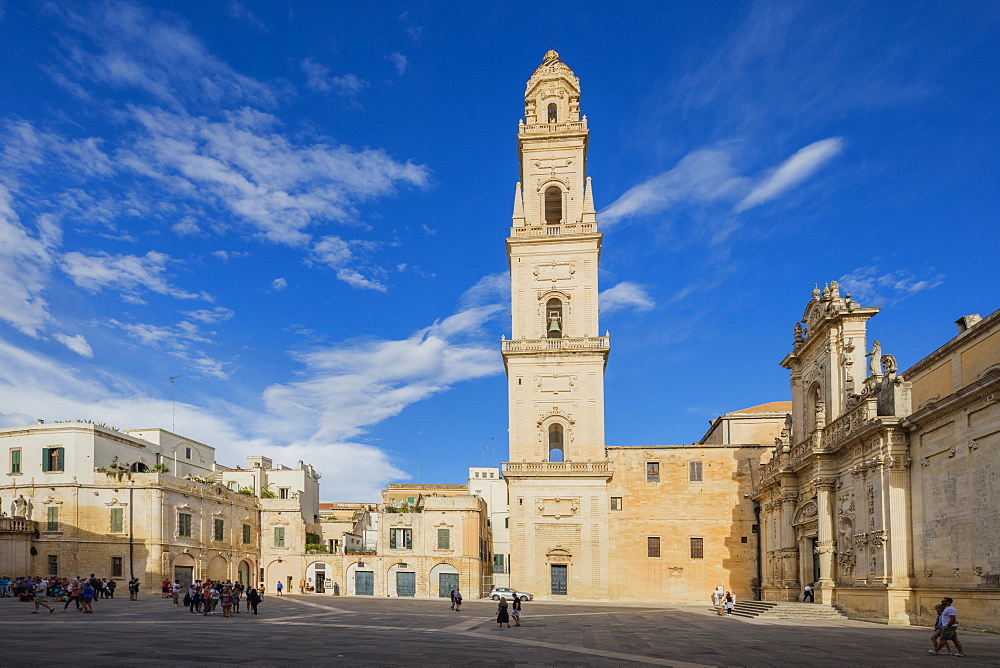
{"points": [[871, 483]]}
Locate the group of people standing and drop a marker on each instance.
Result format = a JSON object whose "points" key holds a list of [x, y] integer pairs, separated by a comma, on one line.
{"points": [[205, 597], [80, 590], [723, 601]]}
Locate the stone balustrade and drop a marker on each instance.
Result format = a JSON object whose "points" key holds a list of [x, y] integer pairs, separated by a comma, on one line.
{"points": [[552, 128], [17, 525], [554, 230], [848, 424], [533, 345], [555, 469]]}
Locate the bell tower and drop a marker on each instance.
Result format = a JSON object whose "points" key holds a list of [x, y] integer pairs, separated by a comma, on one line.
{"points": [[555, 358]]}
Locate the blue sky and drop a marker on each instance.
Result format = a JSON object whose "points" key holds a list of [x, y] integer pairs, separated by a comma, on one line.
{"points": [[299, 208]]}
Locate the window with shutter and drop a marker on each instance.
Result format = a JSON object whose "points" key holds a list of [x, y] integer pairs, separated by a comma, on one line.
{"points": [[246, 534], [117, 520], [279, 536], [220, 530], [444, 539], [52, 518], [653, 546], [184, 525], [694, 471], [697, 548]]}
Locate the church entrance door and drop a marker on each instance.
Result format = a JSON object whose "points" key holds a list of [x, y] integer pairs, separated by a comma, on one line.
{"points": [[558, 580], [813, 543]]}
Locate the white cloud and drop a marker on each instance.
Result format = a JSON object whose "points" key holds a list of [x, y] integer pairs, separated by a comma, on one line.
{"points": [[318, 78], [130, 275], [239, 11], [129, 46], [186, 226], [78, 344], [25, 263], [399, 61], [490, 289], [29, 149], [277, 185], [792, 172], [279, 284], [341, 393], [870, 286], [212, 315], [357, 280], [705, 175], [625, 295]]}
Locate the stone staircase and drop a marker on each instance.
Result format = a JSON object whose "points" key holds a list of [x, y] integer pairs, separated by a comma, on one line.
{"points": [[786, 610]]}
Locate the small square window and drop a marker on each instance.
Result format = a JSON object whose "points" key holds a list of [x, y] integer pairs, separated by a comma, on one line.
{"points": [[283, 492], [52, 459], [401, 539], [53, 565], [117, 569], [187, 453], [652, 471], [743, 539], [694, 471], [697, 548], [616, 503], [653, 546]]}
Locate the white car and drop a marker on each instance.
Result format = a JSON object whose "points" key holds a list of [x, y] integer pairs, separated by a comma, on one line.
{"points": [[498, 593]]}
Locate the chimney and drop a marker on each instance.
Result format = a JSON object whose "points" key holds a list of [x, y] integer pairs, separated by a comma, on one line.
{"points": [[967, 321]]}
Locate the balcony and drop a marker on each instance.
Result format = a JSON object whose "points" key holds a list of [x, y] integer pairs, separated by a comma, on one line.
{"points": [[553, 128], [17, 525], [554, 230], [586, 343], [557, 469]]}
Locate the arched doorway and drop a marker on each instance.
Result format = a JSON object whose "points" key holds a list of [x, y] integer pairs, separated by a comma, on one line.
{"points": [[184, 569], [443, 578], [319, 577], [243, 572]]}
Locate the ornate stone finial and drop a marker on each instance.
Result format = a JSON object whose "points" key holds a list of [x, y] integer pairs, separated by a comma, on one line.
{"points": [[835, 289], [889, 363], [798, 334], [826, 291], [518, 215], [815, 292], [551, 56], [589, 214]]}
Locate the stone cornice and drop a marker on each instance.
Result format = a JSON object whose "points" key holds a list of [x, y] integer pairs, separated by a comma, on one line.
{"points": [[979, 330], [985, 388]]}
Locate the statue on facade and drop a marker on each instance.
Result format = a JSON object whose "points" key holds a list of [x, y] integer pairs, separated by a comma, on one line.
{"points": [[20, 507], [875, 363]]}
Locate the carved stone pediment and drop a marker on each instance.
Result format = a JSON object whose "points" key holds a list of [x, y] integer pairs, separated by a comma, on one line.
{"points": [[559, 555], [807, 513]]}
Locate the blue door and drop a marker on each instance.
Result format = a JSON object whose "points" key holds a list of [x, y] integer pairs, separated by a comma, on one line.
{"points": [[558, 580], [406, 584], [364, 583], [447, 582]]}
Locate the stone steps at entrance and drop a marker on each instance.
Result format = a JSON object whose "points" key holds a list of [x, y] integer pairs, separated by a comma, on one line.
{"points": [[786, 610]]}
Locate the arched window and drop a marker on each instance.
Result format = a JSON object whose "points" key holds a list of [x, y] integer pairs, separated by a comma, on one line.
{"points": [[553, 114], [553, 319], [553, 205], [556, 452]]}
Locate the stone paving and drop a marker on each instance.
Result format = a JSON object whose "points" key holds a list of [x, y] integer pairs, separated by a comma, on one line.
{"points": [[355, 631]]}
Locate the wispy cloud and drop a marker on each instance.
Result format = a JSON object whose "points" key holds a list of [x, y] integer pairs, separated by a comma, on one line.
{"points": [[129, 275], [318, 78], [399, 61], [25, 264], [707, 176], [78, 344], [279, 284], [872, 286], [239, 11], [792, 172], [626, 296]]}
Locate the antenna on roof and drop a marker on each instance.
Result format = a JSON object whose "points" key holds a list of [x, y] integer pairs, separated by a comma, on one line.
{"points": [[173, 402]]}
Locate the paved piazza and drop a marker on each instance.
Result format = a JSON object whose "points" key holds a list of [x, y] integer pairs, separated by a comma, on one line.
{"points": [[359, 631]]}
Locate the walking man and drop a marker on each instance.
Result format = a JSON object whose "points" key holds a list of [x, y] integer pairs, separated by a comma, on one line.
{"points": [[808, 594], [278, 587], [458, 600], [949, 629], [452, 600]]}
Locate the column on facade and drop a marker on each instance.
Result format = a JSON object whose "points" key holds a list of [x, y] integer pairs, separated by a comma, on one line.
{"points": [[789, 548], [825, 545], [898, 546], [156, 533]]}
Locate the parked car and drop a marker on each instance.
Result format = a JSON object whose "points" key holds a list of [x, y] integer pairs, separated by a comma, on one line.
{"points": [[498, 593]]}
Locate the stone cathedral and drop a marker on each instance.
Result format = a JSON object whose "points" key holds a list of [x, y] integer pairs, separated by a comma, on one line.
{"points": [[863, 484]]}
